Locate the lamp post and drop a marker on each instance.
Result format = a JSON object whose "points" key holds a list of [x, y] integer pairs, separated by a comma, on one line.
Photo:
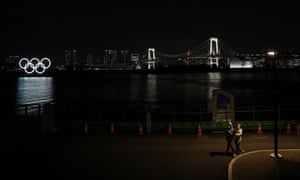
{"points": [[276, 109]]}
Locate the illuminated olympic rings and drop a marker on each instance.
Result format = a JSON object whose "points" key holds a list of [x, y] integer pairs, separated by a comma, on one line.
{"points": [[34, 65]]}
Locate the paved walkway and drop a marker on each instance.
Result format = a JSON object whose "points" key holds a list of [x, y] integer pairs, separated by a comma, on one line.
{"points": [[261, 164], [151, 157]]}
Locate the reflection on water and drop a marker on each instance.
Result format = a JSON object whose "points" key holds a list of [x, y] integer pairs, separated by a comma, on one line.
{"points": [[135, 88], [151, 88], [214, 81], [249, 88], [31, 90]]}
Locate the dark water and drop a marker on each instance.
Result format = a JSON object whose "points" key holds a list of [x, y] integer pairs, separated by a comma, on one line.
{"points": [[249, 88]]}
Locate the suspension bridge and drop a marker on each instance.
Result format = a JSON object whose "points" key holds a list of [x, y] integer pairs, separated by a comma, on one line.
{"points": [[212, 52]]}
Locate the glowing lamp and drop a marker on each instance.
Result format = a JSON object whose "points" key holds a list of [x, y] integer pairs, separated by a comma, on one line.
{"points": [[271, 53]]}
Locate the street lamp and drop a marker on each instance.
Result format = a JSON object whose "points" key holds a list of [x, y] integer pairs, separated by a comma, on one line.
{"points": [[276, 107]]}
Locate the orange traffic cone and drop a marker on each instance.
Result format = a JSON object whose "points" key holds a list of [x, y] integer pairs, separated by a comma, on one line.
{"points": [[141, 130], [288, 128], [112, 129], [86, 129], [259, 130], [170, 130], [199, 132]]}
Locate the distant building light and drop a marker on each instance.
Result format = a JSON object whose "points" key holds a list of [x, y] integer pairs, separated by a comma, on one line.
{"points": [[271, 53], [236, 63]]}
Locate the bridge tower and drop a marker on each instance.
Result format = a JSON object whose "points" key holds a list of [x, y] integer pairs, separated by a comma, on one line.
{"points": [[151, 58], [214, 52]]}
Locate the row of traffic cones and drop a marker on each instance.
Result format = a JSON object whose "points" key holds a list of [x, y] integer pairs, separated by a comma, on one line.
{"points": [[170, 131], [140, 131], [86, 128], [199, 130], [112, 129], [288, 129]]}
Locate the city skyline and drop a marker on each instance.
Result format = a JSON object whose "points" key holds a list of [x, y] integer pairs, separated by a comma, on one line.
{"points": [[172, 27]]}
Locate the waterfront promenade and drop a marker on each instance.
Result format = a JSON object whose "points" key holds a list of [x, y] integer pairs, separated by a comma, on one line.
{"points": [[150, 156]]}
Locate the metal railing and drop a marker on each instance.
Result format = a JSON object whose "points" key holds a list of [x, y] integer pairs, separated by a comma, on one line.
{"points": [[37, 119], [29, 109], [184, 119]]}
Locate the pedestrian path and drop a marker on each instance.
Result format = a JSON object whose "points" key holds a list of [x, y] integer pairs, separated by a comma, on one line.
{"points": [[151, 156], [260, 164]]}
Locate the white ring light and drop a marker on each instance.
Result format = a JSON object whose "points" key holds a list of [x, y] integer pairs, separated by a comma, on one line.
{"points": [[34, 65]]}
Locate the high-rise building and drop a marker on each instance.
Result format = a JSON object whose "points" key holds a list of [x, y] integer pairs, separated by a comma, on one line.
{"points": [[124, 56], [90, 59], [135, 58], [98, 60], [110, 56], [71, 60], [11, 63]]}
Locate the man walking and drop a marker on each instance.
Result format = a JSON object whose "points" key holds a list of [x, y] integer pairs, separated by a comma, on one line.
{"points": [[229, 137]]}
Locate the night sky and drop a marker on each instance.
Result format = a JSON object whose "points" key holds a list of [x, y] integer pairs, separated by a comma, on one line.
{"points": [[43, 29]]}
